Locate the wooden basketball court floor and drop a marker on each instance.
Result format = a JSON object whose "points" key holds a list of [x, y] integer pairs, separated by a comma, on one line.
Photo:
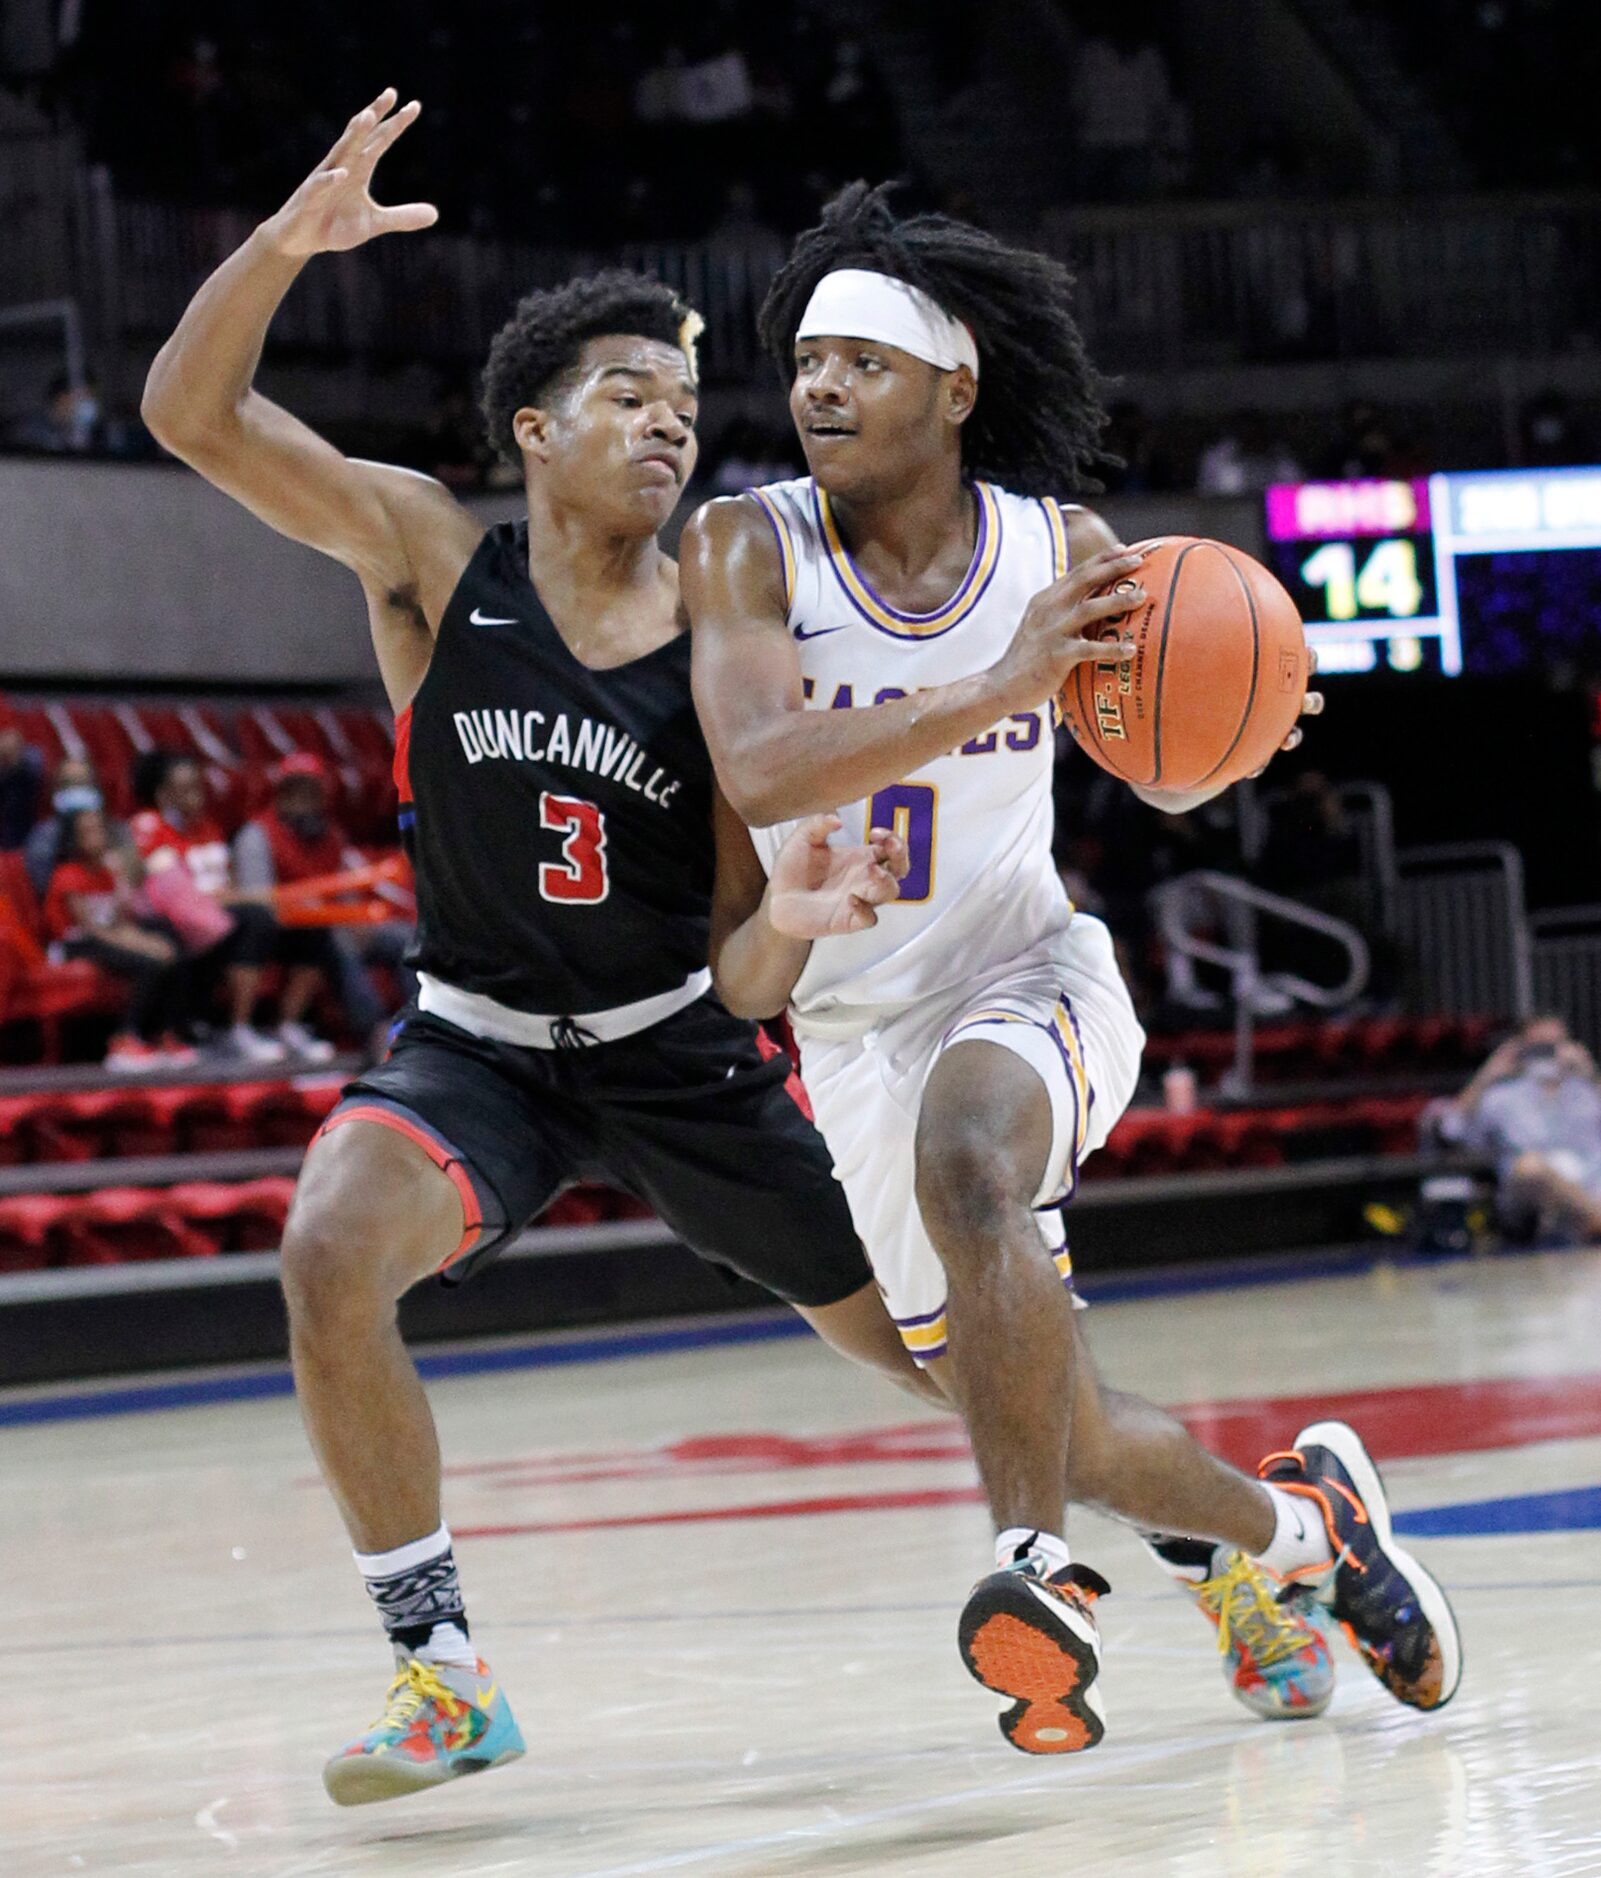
{"points": [[720, 1580]]}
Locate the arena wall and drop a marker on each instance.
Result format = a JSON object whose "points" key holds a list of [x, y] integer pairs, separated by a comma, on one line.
{"points": [[108, 570]]}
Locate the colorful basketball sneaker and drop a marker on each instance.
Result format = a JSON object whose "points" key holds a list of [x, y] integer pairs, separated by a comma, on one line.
{"points": [[439, 1723], [1389, 1607], [1034, 1638], [1275, 1657]]}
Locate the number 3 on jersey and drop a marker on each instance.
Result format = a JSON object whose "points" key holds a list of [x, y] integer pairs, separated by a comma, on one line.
{"points": [[912, 811], [579, 878]]}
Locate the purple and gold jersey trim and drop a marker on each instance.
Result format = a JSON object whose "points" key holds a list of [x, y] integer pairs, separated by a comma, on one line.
{"points": [[925, 1336], [1063, 1031], [1056, 522], [888, 619], [786, 547]]}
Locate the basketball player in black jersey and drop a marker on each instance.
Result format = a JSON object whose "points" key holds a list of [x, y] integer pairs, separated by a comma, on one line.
{"points": [[558, 801]]}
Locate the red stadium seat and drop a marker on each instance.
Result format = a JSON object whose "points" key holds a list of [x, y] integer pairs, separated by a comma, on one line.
{"points": [[129, 1223], [287, 1115], [219, 1118], [33, 988], [30, 1230], [16, 1120], [244, 1216]]}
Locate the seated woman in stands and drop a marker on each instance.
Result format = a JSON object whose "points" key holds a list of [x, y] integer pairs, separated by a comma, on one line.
{"points": [[224, 927], [94, 910]]}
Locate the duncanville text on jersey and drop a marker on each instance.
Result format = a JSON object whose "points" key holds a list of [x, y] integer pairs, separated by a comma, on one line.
{"points": [[530, 737]]}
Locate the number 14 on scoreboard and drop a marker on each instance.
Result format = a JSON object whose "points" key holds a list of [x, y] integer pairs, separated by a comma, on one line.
{"points": [[1384, 582]]}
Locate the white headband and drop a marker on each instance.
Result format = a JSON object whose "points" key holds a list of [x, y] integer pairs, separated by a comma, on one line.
{"points": [[854, 303]]}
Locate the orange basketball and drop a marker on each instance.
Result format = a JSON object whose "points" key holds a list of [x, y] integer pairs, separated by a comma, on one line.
{"points": [[1217, 679]]}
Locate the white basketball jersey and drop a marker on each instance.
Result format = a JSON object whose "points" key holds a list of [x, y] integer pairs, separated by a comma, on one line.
{"points": [[982, 887]]}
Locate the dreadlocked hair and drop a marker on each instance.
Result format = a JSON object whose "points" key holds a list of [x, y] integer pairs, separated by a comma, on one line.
{"points": [[544, 336], [1037, 422]]}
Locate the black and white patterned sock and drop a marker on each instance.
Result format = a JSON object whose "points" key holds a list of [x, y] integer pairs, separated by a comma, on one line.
{"points": [[418, 1596]]}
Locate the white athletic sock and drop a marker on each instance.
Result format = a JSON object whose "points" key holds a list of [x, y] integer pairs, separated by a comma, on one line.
{"points": [[1044, 1550], [1300, 1538]]}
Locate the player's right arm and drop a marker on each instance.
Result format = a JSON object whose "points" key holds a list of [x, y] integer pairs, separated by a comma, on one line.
{"points": [[777, 761], [404, 535]]}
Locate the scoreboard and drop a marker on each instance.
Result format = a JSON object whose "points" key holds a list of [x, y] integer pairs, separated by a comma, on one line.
{"points": [[1492, 571]]}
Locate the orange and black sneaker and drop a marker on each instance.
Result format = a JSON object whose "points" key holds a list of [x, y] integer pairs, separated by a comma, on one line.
{"points": [[1392, 1611], [1033, 1638]]}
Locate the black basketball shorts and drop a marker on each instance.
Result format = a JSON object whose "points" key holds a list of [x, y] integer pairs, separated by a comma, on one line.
{"points": [[691, 1116]]}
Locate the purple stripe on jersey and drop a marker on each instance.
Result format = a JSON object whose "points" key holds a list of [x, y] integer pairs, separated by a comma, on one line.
{"points": [[956, 600]]}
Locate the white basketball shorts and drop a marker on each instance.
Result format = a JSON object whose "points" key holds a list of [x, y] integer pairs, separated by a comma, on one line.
{"points": [[1064, 1009]]}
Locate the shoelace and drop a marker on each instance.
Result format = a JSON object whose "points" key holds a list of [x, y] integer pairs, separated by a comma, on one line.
{"points": [[415, 1684], [1245, 1606]]}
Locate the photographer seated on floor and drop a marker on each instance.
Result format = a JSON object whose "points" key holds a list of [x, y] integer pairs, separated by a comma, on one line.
{"points": [[1534, 1108]]}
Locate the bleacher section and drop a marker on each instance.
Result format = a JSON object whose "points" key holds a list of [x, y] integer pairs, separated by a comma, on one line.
{"points": [[236, 742], [185, 1180]]}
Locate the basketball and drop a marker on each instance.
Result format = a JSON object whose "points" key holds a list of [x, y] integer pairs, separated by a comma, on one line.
{"points": [[1217, 679]]}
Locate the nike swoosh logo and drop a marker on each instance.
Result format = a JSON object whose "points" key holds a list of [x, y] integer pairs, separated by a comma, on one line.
{"points": [[485, 619], [819, 632]]}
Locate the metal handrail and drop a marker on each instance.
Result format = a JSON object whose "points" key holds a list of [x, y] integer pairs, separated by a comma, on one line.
{"points": [[1243, 962]]}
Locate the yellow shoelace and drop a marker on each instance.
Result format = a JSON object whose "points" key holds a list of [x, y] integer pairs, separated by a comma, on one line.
{"points": [[1243, 1602], [415, 1684]]}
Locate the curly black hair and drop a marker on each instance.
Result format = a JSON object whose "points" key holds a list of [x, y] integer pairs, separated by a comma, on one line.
{"points": [[1037, 423], [545, 334]]}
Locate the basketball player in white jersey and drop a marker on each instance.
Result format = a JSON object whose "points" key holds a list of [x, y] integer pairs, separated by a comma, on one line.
{"points": [[878, 644]]}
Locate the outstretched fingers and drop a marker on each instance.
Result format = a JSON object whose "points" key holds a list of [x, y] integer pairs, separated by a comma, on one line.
{"points": [[354, 136], [386, 132]]}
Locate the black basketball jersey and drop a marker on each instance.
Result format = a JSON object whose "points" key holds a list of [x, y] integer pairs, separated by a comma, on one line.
{"points": [[559, 818]]}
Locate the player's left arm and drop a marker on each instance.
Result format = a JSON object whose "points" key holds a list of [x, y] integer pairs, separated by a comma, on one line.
{"points": [[1089, 533], [763, 930]]}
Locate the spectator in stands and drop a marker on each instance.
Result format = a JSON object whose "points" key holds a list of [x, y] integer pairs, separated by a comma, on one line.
{"points": [[76, 786], [296, 838], [94, 910], [224, 929], [21, 768], [68, 425], [1535, 1107]]}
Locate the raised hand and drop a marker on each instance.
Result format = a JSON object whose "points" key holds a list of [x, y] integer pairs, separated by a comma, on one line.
{"points": [[333, 208], [817, 890]]}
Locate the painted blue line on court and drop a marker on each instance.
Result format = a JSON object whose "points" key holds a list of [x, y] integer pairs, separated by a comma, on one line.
{"points": [[147, 1398], [144, 1398], [1567, 1509]]}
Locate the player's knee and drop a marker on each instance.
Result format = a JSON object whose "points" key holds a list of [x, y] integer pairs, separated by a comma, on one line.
{"points": [[326, 1268], [365, 1225], [965, 1187]]}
